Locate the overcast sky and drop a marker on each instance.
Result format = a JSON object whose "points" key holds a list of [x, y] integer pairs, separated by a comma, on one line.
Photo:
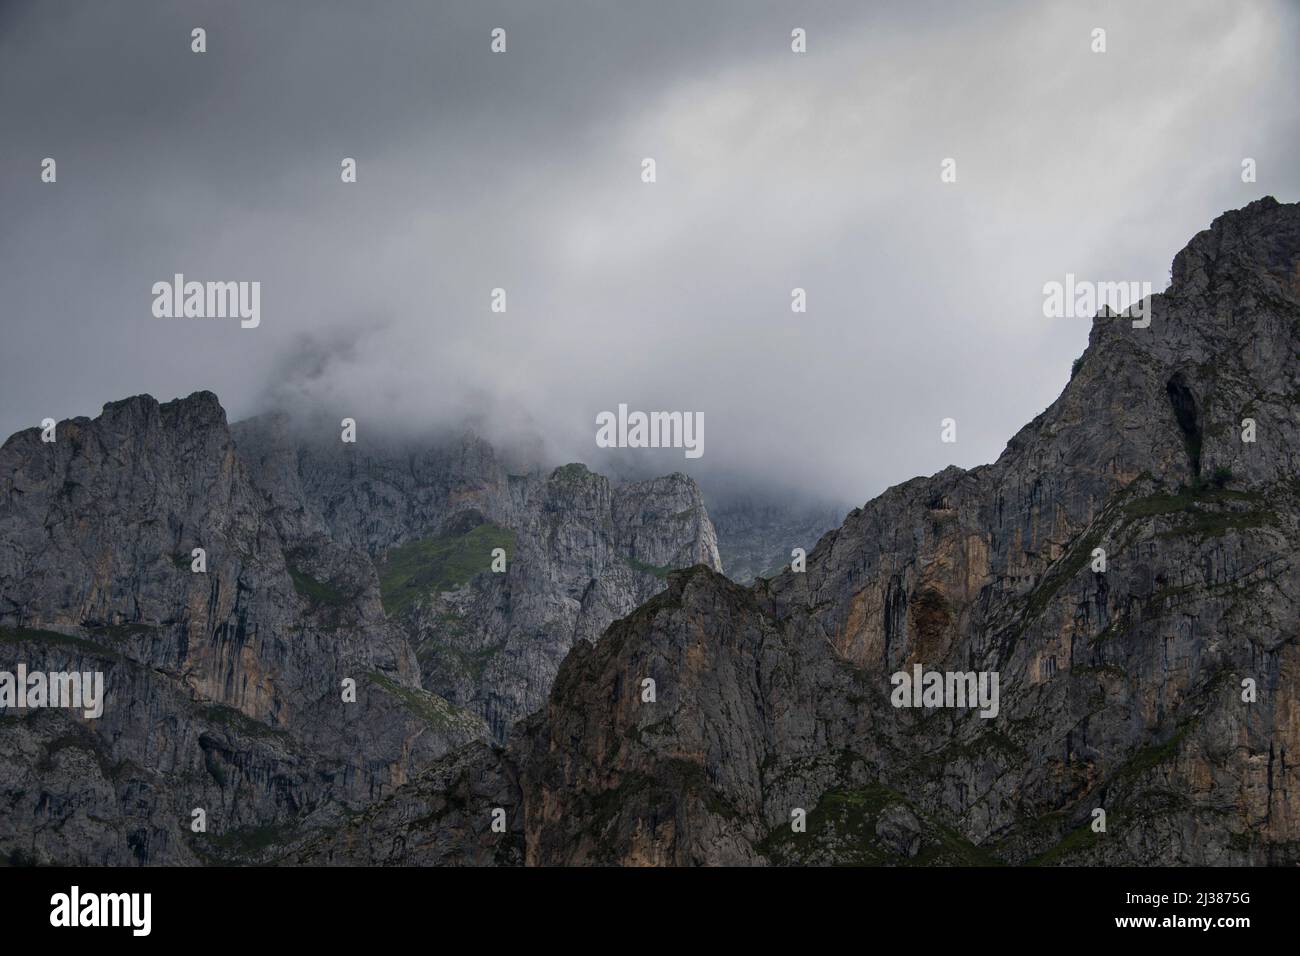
{"points": [[522, 170]]}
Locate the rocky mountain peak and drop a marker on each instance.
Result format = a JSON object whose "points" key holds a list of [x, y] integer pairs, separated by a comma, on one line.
{"points": [[1259, 239], [286, 622], [1125, 574]]}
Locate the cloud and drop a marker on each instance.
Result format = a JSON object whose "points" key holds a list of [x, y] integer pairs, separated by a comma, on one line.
{"points": [[521, 171]]}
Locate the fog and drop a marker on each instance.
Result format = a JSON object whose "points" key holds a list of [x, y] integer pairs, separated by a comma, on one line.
{"points": [[523, 171]]}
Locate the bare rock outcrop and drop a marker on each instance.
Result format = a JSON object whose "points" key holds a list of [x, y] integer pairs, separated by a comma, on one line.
{"points": [[1160, 687]]}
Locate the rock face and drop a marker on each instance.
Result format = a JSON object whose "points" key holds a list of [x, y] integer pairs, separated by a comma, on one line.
{"points": [[1161, 688], [580, 551], [224, 689], [757, 534], [1127, 570]]}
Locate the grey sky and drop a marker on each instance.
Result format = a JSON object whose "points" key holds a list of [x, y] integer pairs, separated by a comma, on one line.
{"points": [[522, 171]]}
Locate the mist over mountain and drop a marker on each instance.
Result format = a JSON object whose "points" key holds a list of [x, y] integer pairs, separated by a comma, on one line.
{"points": [[1123, 579], [374, 651], [287, 623], [747, 433], [522, 171]]}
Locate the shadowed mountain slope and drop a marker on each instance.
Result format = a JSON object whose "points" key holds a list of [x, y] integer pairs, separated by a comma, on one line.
{"points": [[1126, 690]]}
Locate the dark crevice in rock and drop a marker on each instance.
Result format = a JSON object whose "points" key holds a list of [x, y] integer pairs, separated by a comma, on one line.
{"points": [[1184, 404]]}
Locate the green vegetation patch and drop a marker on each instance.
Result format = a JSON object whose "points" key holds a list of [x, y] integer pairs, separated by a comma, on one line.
{"points": [[659, 571], [1206, 511], [432, 709], [1215, 524], [1156, 801], [319, 593], [992, 745], [244, 844], [638, 795], [1154, 756], [843, 826], [1076, 559], [1185, 500], [17, 635], [419, 568], [470, 662], [237, 721], [79, 738], [1079, 839]]}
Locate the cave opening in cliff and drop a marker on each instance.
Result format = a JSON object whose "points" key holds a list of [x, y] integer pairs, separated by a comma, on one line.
{"points": [[1184, 405]]}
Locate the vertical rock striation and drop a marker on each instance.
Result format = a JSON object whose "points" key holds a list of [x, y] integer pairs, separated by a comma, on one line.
{"points": [[224, 689], [1125, 690]]}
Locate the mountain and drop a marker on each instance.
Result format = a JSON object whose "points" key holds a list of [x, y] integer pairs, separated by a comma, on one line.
{"points": [[756, 533], [326, 563], [581, 550], [1147, 707], [351, 680]]}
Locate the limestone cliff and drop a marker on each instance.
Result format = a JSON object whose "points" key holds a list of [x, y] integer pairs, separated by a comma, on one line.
{"points": [[1126, 690], [225, 686]]}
